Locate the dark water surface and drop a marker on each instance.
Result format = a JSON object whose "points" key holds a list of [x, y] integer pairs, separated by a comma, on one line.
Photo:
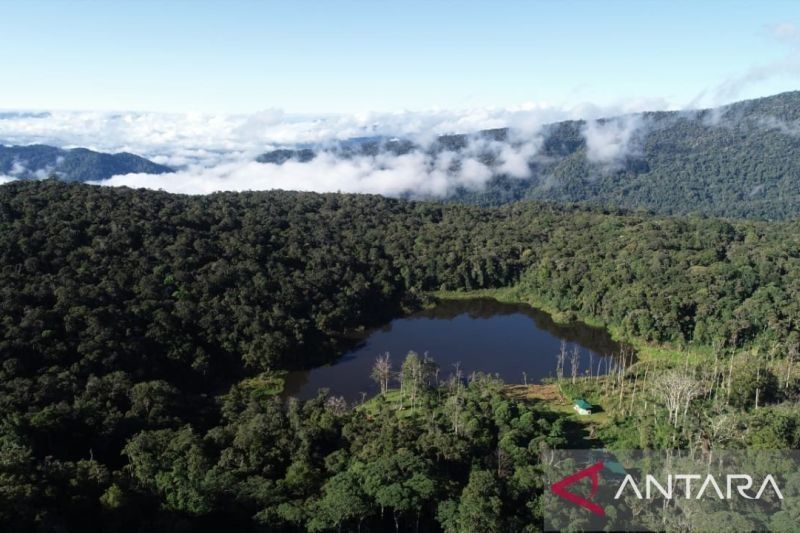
{"points": [[482, 334]]}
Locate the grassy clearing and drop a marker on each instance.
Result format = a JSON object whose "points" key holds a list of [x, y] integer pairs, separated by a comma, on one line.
{"points": [[400, 405], [580, 431]]}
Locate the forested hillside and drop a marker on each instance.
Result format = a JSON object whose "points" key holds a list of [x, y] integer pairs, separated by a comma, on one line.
{"points": [[740, 160], [40, 161], [142, 334]]}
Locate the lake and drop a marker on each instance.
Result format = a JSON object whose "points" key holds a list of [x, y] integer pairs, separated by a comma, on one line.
{"points": [[481, 334]]}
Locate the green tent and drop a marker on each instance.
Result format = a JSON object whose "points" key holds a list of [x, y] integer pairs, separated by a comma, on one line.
{"points": [[583, 404]]}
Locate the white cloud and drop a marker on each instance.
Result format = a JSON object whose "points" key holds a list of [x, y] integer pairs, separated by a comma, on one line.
{"points": [[17, 168], [216, 152], [610, 141], [183, 139], [386, 174], [785, 127]]}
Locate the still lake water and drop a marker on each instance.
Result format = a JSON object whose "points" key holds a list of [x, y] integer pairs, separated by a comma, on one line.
{"points": [[481, 334]]}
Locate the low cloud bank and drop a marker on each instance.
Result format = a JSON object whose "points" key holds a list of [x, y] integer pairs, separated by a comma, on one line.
{"points": [[417, 173], [216, 152], [609, 141]]}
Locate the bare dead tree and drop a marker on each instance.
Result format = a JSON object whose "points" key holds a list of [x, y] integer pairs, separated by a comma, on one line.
{"points": [[610, 363], [791, 355], [455, 401], [430, 370], [382, 371], [720, 429], [678, 389], [336, 405], [575, 361], [457, 371], [730, 379], [715, 372], [621, 375], [633, 395], [562, 355], [758, 382], [412, 376]]}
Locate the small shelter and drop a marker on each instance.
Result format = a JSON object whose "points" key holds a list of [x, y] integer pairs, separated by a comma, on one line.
{"points": [[582, 407]]}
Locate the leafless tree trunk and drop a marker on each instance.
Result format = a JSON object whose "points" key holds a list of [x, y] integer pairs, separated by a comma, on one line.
{"points": [[621, 376], [792, 354], [758, 382], [412, 376], [728, 384], [609, 371], [454, 401], [429, 370], [678, 389], [575, 361], [715, 372], [633, 396], [560, 358], [382, 371]]}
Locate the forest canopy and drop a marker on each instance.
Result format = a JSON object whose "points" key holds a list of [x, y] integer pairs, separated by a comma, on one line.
{"points": [[139, 331]]}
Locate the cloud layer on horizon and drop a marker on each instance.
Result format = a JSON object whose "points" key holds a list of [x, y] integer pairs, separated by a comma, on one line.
{"points": [[156, 135], [216, 152]]}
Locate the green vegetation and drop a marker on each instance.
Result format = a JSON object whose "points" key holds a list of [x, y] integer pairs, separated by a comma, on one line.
{"points": [[38, 161], [747, 400], [143, 336], [741, 161]]}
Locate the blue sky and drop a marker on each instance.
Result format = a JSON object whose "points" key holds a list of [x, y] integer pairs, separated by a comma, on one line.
{"points": [[352, 56]]}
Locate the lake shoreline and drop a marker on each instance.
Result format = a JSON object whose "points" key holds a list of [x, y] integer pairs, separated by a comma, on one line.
{"points": [[645, 351], [514, 340]]}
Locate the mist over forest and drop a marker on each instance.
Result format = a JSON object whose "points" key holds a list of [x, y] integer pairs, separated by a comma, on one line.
{"points": [[288, 267]]}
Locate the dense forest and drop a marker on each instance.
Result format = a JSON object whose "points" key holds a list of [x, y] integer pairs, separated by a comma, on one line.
{"points": [[142, 334], [741, 160]]}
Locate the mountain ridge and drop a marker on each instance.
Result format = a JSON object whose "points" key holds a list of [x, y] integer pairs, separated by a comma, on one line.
{"points": [[741, 160], [38, 161]]}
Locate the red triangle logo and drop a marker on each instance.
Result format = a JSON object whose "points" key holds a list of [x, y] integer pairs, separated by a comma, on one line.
{"points": [[593, 472]]}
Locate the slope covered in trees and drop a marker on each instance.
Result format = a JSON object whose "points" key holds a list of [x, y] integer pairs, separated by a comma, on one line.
{"points": [[740, 160], [39, 161], [141, 333]]}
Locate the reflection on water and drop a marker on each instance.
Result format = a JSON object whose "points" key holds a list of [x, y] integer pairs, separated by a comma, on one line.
{"points": [[483, 335]]}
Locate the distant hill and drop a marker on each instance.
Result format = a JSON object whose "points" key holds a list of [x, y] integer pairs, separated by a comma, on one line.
{"points": [[77, 164], [740, 160]]}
